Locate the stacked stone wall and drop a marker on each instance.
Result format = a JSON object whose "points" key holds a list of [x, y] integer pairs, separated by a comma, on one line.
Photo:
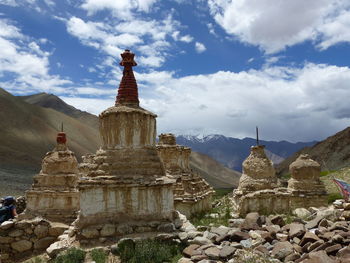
{"points": [[25, 238]]}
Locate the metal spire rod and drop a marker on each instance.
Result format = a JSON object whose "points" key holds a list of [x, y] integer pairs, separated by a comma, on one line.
{"points": [[257, 136]]}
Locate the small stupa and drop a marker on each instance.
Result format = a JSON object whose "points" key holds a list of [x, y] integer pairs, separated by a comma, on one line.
{"points": [[305, 184], [124, 186], [54, 194], [192, 194]]}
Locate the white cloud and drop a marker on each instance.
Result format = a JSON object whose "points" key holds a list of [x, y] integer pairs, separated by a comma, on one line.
{"points": [[149, 37], [8, 2], [94, 106], [186, 39], [275, 25], [119, 8], [200, 47], [25, 62]]}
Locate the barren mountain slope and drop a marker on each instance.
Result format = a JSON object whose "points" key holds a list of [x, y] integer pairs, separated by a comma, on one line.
{"points": [[332, 153], [51, 101], [217, 175]]}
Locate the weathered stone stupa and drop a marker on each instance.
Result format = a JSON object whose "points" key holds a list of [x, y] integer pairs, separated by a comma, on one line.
{"points": [[258, 190], [305, 184], [124, 186], [192, 194], [54, 194]]}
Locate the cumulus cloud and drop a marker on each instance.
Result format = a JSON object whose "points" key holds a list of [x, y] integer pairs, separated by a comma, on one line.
{"points": [[149, 37], [200, 47], [275, 25], [23, 64], [296, 104]]}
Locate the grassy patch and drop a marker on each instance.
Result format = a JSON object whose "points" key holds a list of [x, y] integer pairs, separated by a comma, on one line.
{"points": [[334, 196], [98, 255], [72, 255], [222, 212], [150, 251], [221, 192]]}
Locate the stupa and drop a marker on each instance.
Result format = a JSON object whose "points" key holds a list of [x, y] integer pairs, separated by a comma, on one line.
{"points": [[54, 194], [192, 194], [124, 186], [305, 184]]}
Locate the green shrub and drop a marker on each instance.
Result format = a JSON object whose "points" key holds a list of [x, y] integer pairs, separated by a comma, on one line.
{"points": [[98, 255], [72, 255], [149, 251], [334, 196]]}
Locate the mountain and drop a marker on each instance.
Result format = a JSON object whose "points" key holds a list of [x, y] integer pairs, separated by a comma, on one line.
{"points": [[28, 131], [53, 102], [207, 166], [332, 153], [231, 151]]}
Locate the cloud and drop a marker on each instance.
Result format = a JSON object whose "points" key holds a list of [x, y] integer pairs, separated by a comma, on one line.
{"points": [[200, 47], [186, 39], [24, 66], [119, 8], [296, 104], [274, 26]]}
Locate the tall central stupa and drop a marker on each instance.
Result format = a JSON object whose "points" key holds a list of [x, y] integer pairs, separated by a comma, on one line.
{"points": [[124, 184]]}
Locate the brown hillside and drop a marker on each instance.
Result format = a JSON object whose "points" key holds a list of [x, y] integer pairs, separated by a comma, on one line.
{"points": [[332, 153], [217, 175], [29, 131]]}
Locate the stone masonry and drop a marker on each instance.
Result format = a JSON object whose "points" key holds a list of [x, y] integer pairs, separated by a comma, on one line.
{"points": [[192, 194], [54, 194], [124, 186], [258, 190]]}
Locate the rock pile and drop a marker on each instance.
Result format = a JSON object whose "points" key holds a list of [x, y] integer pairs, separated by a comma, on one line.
{"points": [[23, 238], [192, 194], [324, 238]]}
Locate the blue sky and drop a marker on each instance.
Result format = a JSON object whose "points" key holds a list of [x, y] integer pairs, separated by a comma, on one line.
{"points": [[204, 66]]}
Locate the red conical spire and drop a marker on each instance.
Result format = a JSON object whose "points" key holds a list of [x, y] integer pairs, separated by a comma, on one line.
{"points": [[127, 92]]}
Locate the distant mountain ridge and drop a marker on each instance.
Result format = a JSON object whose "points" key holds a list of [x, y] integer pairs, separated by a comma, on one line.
{"points": [[232, 151], [333, 153]]}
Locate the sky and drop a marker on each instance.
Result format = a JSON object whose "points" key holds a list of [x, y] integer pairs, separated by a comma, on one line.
{"points": [[204, 66]]}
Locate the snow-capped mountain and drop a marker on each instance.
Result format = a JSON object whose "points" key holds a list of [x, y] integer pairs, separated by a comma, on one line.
{"points": [[232, 151]]}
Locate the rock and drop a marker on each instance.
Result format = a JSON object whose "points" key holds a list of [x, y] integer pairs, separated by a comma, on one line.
{"points": [[200, 241], [238, 235], [191, 250], [254, 235], [178, 223], [237, 222], [183, 236], [247, 243], [308, 237], [282, 237], [344, 252], [54, 249], [90, 233], [165, 236], [338, 204], [292, 257], [227, 251], [302, 213], [315, 245], [296, 230], [193, 234], [16, 233], [346, 206], [262, 249], [6, 225], [22, 245], [124, 229], [282, 250], [41, 231], [277, 220], [252, 221], [212, 252], [221, 230], [333, 249], [168, 227], [57, 229], [314, 222], [107, 230], [6, 240], [337, 238], [346, 215], [184, 260], [44, 242], [319, 257], [187, 226]]}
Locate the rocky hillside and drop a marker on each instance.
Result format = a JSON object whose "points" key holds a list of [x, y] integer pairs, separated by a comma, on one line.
{"points": [[332, 153], [231, 151], [53, 102], [28, 132]]}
